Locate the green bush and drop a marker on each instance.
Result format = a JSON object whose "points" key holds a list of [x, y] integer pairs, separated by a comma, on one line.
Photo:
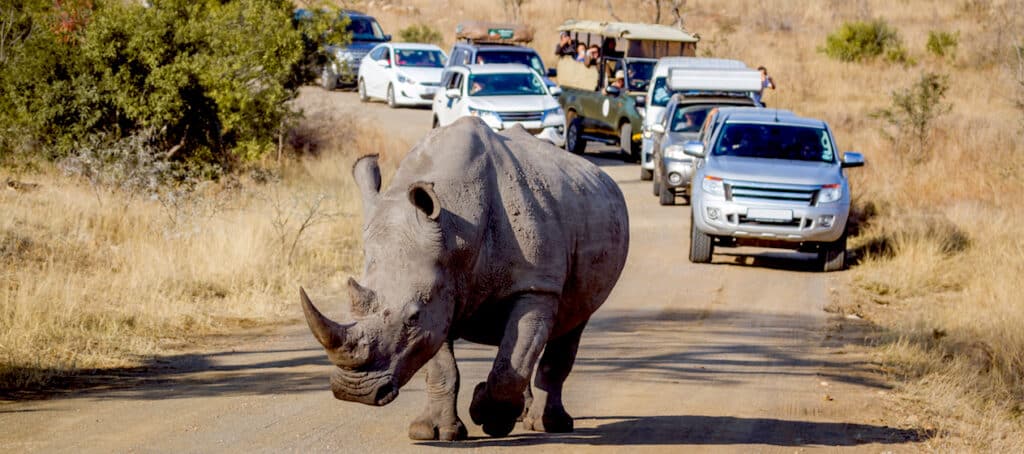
{"points": [[943, 44], [207, 80], [420, 33], [909, 121], [861, 41]]}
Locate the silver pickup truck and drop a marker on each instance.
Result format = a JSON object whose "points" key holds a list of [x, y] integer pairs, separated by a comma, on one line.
{"points": [[769, 178]]}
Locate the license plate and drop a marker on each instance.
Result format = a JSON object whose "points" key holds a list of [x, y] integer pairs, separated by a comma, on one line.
{"points": [[770, 215]]}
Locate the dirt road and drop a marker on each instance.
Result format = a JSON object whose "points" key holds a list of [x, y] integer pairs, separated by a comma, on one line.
{"points": [[738, 355]]}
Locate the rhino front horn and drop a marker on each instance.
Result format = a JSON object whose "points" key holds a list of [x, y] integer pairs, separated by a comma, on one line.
{"points": [[330, 334]]}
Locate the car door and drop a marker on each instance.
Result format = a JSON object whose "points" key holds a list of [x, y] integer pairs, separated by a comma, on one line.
{"points": [[447, 108], [382, 71], [368, 70]]}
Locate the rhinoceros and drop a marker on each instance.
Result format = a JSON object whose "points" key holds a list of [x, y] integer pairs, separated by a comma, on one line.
{"points": [[495, 238]]}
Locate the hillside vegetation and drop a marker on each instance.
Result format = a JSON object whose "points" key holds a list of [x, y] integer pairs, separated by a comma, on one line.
{"points": [[94, 277]]}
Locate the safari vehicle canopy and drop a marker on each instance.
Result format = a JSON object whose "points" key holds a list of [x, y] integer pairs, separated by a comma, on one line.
{"points": [[476, 32], [621, 42]]}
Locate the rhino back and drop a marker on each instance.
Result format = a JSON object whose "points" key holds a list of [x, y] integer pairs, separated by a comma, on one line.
{"points": [[520, 215]]}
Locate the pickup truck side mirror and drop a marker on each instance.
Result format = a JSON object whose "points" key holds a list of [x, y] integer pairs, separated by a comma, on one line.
{"points": [[555, 90], [612, 90], [552, 72], [853, 159], [387, 38], [658, 128], [694, 148], [453, 93], [383, 63]]}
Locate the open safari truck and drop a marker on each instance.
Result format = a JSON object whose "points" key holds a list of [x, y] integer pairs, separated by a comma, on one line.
{"points": [[596, 107]]}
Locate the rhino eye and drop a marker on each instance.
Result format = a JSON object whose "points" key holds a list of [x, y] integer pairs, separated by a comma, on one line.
{"points": [[412, 314]]}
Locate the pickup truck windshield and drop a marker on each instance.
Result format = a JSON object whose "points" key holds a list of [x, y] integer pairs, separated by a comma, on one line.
{"points": [[509, 84], [504, 56], [419, 58], [775, 141], [638, 74], [365, 29]]}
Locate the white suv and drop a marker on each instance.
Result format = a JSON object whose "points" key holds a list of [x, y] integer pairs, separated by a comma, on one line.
{"points": [[502, 95]]}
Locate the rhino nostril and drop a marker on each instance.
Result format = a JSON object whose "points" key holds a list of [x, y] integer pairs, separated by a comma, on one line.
{"points": [[385, 394]]}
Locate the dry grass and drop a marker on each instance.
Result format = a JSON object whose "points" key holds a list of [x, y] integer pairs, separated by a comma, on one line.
{"points": [[93, 279]]}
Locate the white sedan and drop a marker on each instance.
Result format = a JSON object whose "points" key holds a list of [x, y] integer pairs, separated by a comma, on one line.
{"points": [[502, 95], [403, 74]]}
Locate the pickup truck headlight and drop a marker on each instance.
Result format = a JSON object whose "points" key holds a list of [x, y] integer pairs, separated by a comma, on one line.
{"points": [[830, 193], [403, 79], [491, 118], [713, 186], [675, 152], [553, 117]]}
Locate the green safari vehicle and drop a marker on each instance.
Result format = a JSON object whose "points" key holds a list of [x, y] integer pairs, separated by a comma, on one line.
{"points": [[596, 107]]}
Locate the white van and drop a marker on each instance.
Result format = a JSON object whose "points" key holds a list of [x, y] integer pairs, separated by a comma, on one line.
{"points": [[658, 95]]}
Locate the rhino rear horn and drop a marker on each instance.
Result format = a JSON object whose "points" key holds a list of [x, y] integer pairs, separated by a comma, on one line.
{"points": [[330, 334], [364, 300], [366, 172]]}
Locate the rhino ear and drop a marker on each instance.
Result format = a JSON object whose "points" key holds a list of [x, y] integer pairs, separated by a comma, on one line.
{"points": [[423, 197], [367, 175]]}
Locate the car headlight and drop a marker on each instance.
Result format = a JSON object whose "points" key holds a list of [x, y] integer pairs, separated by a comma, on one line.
{"points": [[403, 79], [553, 117], [491, 118], [713, 185], [675, 152], [830, 193]]}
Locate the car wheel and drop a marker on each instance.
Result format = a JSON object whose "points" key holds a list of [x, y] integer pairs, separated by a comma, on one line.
{"points": [[574, 143], [391, 97], [656, 186], [626, 143], [701, 245], [686, 200], [328, 80], [436, 124], [833, 255], [646, 175], [666, 197], [362, 91]]}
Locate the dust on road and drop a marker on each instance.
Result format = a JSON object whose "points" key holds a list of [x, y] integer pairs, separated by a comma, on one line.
{"points": [[738, 355]]}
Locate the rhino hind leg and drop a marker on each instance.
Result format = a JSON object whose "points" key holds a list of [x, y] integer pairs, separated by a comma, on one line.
{"points": [[499, 402], [440, 420], [547, 414]]}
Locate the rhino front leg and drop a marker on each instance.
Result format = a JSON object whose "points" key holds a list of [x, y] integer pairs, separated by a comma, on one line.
{"points": [[499, 402], [439, 421], [547, 414]]}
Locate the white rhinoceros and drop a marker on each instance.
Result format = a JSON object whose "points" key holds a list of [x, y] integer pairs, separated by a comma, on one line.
{"points": [[499, 239]]}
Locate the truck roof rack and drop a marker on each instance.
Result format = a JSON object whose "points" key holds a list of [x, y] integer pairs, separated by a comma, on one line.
{"points": [[478, 32]]}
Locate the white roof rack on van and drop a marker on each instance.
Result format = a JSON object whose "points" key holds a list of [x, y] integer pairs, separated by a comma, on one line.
{"points": [[687, 79]]}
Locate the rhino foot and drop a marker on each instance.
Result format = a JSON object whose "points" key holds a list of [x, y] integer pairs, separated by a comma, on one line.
{"points": [[496, 416], [428, 428], [552, 420]]}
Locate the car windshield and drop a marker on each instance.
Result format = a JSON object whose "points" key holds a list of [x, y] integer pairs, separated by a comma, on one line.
{"points": [[365, 29], [661, 93], [638, 74], [775, 141], [507, 84], [503, 56], [420, 58], [689, 119]]}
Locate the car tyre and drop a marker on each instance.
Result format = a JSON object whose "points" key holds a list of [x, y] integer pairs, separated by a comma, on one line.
{"points": [[574, 142], [436, 124], [626, 142], [656, 186], [833, 255], [702, 246], [328, 80], [646, 175], [363, 97], [391, 97], [666, 197]]}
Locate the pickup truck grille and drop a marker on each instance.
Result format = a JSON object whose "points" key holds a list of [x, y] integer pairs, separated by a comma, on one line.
{"points": [[521, 116], [784, 194]]}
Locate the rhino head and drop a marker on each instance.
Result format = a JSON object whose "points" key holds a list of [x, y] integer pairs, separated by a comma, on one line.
{"points": [[403, 308]]}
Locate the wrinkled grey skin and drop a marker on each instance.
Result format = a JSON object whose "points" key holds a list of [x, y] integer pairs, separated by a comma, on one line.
{"points": [[499, 239]]}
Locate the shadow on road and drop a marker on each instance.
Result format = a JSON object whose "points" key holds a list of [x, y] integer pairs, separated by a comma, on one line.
{"points": [[705, 430]]}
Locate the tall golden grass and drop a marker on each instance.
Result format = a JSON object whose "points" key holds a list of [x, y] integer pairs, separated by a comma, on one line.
{"points": [[98, 279]]}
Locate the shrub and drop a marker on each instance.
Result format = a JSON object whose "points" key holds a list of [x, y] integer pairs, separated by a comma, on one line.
{"points": [[943, 44], [861, 41], [208, 80], [420, 33], [912, 114]]}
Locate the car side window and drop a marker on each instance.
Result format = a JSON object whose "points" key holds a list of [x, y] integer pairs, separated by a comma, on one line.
{"points": [[387, 55], [377, 53], [455, 81]]}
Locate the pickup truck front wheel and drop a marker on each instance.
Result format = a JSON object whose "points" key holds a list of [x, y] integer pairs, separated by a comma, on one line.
{"points": [[631, 149], [574, 141], [328, 80], [702, 246], [666, 196], [646, 175], [833, 255]]}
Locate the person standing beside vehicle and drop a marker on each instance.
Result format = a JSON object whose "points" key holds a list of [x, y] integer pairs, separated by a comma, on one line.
{"points": [[766, 82]]}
